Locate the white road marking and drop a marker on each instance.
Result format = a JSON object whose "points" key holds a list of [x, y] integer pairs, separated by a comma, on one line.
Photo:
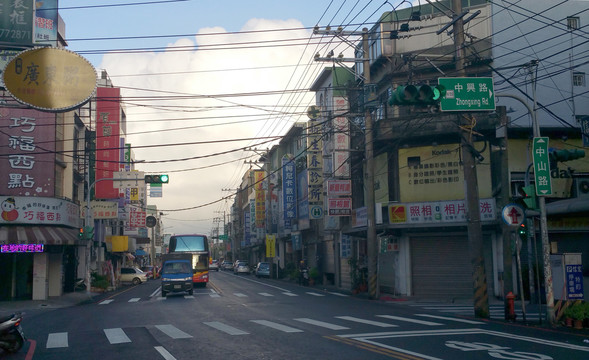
{"points": [[134, 299], [57, 340], [104, 302], [215, 295], [422, 322], [240, 295], [116, 336], [452, 319], [339, 294], [164, 353], [189, 296], [277, 326], [173, 332], [225, 328], [265, 294], [364, 321], [315, 294], [321, 324], [159, 289], [289, 294]]}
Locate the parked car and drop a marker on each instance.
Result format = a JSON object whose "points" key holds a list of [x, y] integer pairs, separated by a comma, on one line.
{"points": [[133, 275], [263, 269], [149, 271], [227, 265], [214, 265], [241, 267]]}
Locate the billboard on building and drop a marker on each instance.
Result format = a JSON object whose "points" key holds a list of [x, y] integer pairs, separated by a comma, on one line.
{"points": [[108, 117], [27, 152]]}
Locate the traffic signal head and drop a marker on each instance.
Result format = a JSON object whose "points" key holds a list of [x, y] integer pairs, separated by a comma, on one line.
{"points": [[566, 154], [522, 231], [88, 232], [529, 196], [157, 179], [81, 234], [417, 95]]}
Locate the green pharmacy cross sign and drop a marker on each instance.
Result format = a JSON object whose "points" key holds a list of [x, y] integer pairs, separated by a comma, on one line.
{"points": [[467, 94], [542, 166]]}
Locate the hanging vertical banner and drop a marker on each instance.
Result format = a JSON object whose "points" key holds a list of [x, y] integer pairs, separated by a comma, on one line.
{"points": [[315, 171], [289, 189], [108, 111], [260, 194], [270, 246]]}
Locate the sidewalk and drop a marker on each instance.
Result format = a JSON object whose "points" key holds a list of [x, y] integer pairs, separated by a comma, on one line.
{"points": [[55, 302]]}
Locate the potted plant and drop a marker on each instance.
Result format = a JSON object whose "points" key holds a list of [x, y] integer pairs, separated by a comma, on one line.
{"points": [[313, 276], [578, 315], [568, 316]]}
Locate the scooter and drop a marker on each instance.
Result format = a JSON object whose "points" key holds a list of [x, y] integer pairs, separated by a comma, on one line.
{"points": [[12, 337]]}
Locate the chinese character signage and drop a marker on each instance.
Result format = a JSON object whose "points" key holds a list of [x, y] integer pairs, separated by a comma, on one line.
{"points": [[438, 212], [108, 111], [541, 166], [270, 246], [136, 217], [432, 173], [38, 210], [16, 22], [27, 152], [289, 195], [21, 248], [315, 170], [574, 281], [260, 194], [339, 187], [339, 206], [46, 22]]}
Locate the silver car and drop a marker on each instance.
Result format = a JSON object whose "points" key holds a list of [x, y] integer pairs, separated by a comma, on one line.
{"points": [[241, 267]]}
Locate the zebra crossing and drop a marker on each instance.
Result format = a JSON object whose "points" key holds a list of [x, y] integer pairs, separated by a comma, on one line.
{"points": [[496, 311], [213, 294], [341, 323]]}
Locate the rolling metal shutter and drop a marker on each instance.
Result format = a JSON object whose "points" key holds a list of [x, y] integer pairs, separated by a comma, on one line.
{"points": [[441, 267]]}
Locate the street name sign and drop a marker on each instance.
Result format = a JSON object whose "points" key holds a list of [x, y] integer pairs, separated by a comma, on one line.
{"points": [[542, 166], [467, 94]]}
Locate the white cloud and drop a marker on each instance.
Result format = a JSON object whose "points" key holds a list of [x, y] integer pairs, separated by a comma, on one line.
{"points": [[193, 188]]}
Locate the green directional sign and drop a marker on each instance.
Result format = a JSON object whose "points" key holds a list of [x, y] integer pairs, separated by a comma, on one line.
{"points": [[542, 166], [467, 94], [223, 237]]}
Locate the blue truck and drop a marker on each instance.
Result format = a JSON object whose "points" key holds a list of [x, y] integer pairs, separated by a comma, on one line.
{"points": [[176, 273]]}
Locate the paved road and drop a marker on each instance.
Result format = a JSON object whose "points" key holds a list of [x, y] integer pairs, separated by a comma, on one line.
{"points": [[247, 318]]}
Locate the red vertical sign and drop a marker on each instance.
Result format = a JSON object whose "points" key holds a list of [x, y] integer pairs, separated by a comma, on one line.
{"points": [[108, 115]]}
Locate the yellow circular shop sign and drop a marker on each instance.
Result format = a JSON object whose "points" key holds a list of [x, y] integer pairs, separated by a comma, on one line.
{"points": [[50, 79]]}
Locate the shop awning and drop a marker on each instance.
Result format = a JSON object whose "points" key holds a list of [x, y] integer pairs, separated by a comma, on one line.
{"points": [[48, 235]]}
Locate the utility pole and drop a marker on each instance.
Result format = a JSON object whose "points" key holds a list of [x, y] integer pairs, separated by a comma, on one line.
{"points": [[475, 231], [371, 240]]}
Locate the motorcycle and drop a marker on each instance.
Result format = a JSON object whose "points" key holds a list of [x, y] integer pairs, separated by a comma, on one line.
{"points": [[80, 284], [12, 336]]}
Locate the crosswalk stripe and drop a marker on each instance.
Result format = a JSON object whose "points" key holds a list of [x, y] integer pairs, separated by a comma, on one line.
{"points": [[364, 321], [116, 336], [134, 299], [422, 322], [173, 332], [215, 295], [189, 296], [339, 294], [321, 324], [265, 294], [240, 295], [315, 294], [451, 319], [57, 340], [164, 353], [277, 326], [225, 328], [289, 294], [104, 302]]}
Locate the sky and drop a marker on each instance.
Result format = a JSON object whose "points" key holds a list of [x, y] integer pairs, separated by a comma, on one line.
{"points": [[205, 83]]}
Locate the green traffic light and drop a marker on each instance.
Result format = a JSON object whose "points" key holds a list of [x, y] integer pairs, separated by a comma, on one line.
{"points": [[164, 179]]}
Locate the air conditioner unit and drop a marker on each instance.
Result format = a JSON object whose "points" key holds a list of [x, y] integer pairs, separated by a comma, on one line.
{"points": [[582, 187]]}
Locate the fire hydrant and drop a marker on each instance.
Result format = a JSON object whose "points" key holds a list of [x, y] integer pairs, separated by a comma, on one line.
{"points": [[510, 314]]}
